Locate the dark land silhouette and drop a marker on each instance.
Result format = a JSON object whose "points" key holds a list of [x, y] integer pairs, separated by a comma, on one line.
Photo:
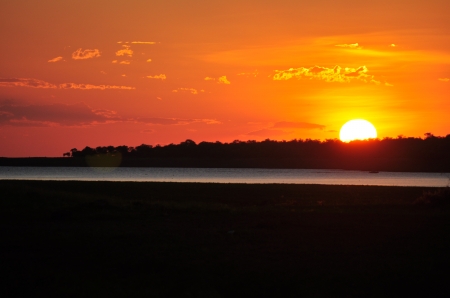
{"points": [[111, 239], [428, 154]]}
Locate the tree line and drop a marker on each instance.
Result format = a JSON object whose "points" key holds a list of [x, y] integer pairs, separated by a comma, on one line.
{"points": [[429, 147]]}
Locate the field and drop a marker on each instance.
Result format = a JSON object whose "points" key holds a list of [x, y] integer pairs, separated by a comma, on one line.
{"points": [[124, 239]]}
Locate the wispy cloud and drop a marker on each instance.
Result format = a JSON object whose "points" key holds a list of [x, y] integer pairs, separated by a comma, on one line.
{"points": [[149, 60], [93, 87], [249, 74], [26, 82], [158, 77], [350, 46], [125, 52], [444, 80], [55, 59], [189, 90], [176, 121], [35, 83], [220, 80], [143, 42], [126, 62], [335, 74], [85, 54], [137, 42]]}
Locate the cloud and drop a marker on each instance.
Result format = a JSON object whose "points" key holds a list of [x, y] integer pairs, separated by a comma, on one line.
{"points": [[125, 52], [57, 114], [26, 82], [175, 121], [220, 80], [143, 42], [158, 77], [75, 115], [268, 132], [248, 74], [126, 62], [223, 80], [34, 83], [190, 90], [149, 60], [444, 80], [350, 46], [85, 54], [93, 87], [55, 59], [393, 45], [148, 131], [298, 125], [285, 127], [335, 74]]}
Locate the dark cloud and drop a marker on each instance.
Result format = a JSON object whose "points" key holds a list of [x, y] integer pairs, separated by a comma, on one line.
{"points": [[298, 125], [79, 114], [56, 114], [267, 132]]}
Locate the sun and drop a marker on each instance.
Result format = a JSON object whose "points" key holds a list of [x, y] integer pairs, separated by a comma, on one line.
{"points": [[357, 129]]}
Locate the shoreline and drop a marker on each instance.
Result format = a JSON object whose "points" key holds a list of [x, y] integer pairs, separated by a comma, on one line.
{"points": [[356, 163]]}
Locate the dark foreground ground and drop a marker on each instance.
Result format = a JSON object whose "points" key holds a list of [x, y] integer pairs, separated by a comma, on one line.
{"points": [[117, 239]]}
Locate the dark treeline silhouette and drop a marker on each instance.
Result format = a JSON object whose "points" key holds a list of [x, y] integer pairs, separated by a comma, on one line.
{"points": [[428, 154], [431, 153]]}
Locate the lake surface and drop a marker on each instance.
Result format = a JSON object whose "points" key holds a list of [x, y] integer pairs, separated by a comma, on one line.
{"points": [[214, 175]]}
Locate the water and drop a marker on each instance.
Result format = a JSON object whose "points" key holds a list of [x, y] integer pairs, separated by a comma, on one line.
{"points": [[283, 176]]}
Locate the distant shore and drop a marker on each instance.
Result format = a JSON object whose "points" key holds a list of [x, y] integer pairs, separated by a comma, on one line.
{"points": [[361, 164]]}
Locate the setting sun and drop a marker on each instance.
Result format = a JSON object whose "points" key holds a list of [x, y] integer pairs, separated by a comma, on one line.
{"points": [[357, 129]]}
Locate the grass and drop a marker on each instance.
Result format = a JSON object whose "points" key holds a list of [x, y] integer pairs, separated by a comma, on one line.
{"points": [[116, 239]]}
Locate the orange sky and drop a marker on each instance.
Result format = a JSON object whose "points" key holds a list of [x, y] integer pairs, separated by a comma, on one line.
{"points": [[96, 73]]}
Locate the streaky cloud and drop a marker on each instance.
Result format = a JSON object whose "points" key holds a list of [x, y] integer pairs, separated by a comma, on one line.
{"points": [[350, 46], [188, 90], [55, 59], [157, 77], [35, 83], [143, 42], [248, 74], [335, 74], [26, 82]]}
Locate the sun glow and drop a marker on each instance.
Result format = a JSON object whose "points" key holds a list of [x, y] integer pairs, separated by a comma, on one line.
{"points": [[357, 129]]}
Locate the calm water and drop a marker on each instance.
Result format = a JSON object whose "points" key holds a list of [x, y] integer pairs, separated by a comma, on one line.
{"points": [[296, 176]]}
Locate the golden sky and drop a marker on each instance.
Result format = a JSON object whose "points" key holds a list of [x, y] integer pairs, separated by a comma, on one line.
{"points": [[97, 73]]}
